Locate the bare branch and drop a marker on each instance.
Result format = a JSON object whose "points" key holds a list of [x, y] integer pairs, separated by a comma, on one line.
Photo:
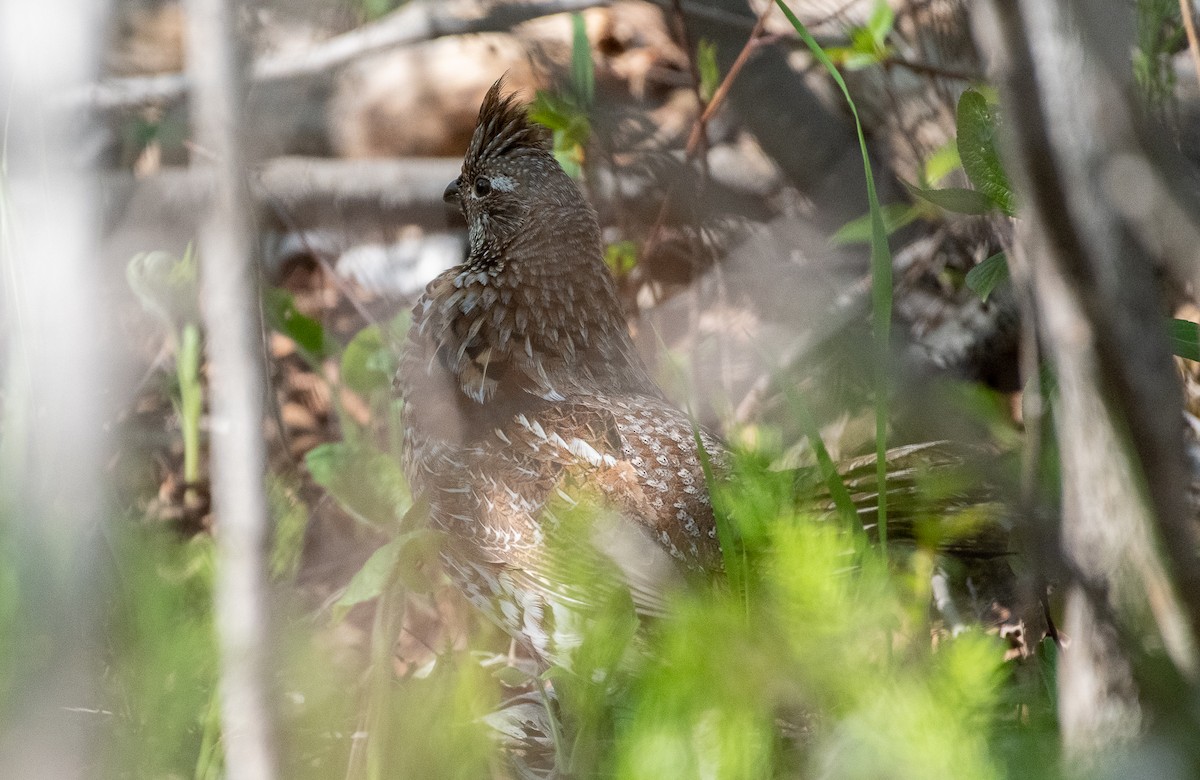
{"points": [[415, 22], [290, 193], [230, 297]]}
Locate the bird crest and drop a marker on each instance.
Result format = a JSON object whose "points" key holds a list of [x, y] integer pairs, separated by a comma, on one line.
{"points": [[504, 128]]}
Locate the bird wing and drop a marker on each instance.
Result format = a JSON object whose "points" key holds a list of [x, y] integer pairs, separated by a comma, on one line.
{"points": [[577, 492]]}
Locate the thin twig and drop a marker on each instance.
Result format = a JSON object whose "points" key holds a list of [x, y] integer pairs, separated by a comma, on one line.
{"points": [[697, 137], [230, 297], [689, 48]]}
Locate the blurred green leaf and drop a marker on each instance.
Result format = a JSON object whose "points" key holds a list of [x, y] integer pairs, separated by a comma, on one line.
{"points": [[955, 199], [309, 335], [1185, 339], [167, 286], [378, 573], [858, 231], [868, 43], [583, 78], [373, 9], [1160, 34], [159, 655], [366, 482], [569, 124], [706, 64], [941, 163], [881, 21], [621, 257], [368, 364], [984, 278], [289, 517], [977, 124]]}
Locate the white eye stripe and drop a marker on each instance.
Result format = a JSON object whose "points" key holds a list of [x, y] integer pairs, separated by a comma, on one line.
{"points": [[504, 183]]}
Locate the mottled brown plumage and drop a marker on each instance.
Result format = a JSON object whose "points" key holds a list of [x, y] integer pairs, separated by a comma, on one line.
{"points": [[524, 394]]}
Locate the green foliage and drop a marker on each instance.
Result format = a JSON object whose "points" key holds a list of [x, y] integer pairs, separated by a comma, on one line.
{"points": [[957, 199], [812, 656], [583, 76], [398, 560], [975, 149], [940, 164], [1159, 34], [373, 9], [566, 114], [366, 482], [868, 42], [191, 398], [368, 365], [570, 125], [897, 215], [152, 128], [309, 335], [621, 258], [984, 278], [977, 128], [161, 681], [289, 517], [1185, 339], [859, 231], [432, 725], [829, 647], [706, 65], [168, 287]]}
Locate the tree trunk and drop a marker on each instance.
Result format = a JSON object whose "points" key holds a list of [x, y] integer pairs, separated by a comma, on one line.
{"points": [[1128, 541]]}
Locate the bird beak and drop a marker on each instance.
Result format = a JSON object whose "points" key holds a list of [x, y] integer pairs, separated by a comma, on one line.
{"points": [[451, 193]]}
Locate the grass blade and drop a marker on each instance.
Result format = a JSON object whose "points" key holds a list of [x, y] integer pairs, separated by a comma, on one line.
{"points": [[881, 277]]}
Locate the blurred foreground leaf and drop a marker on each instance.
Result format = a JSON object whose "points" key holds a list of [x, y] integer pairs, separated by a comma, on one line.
{"points": [[1185, 339], [956, 199], [367, 483], [977, 126], [984, 278], [308, 334], [397, 558]]}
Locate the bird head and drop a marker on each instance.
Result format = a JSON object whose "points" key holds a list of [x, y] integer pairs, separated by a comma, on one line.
{"points": [[508, 175]]}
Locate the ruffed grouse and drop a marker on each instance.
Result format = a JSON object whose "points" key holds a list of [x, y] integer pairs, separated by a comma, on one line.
{"points": [[522, 388]]}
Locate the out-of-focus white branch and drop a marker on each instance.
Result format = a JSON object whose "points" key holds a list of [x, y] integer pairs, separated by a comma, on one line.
{"points": [[230, 298], [55, 374], [415, 22]]}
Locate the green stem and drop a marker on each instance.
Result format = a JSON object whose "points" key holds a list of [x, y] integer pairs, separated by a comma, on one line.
{"points": [[208, 764], [382, 634], [191, 399]]}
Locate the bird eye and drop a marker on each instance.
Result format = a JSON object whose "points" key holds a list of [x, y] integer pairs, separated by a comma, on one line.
{"points": [[483, 186]]}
